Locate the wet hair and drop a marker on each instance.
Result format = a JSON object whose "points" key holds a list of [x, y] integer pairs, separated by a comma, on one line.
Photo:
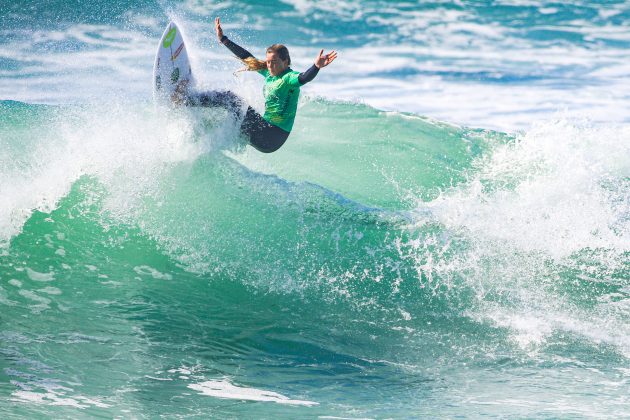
{"points": [[254, 64], [282, 52]]}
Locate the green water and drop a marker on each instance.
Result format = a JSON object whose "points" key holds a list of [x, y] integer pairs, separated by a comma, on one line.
{"points": [[378, 265]]}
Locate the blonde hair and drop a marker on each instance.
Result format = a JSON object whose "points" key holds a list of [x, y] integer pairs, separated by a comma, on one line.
{"points": [[254, 64]]}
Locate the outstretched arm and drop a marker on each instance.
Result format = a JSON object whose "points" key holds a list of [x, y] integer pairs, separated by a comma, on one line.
{"points": [[320, 61], [237, 50]]}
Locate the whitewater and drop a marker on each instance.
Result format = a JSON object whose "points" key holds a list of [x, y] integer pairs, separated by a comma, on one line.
{"points": [[446, 233]]}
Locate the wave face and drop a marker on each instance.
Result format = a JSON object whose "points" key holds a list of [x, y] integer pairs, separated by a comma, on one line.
{"points": [[381, 264]]}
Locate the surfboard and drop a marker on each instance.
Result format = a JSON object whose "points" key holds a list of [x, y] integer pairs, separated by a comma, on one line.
{"points": [[171, 70]]}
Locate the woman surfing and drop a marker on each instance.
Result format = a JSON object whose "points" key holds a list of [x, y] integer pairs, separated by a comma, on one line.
{"points": [[268, 132]]}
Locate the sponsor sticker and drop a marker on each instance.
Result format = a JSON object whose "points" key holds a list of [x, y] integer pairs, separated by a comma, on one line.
{"points": [[170, 37], [177, 52]]}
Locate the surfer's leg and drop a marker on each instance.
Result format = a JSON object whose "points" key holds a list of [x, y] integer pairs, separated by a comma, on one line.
{"points": [[264, 137], [224, 99]]}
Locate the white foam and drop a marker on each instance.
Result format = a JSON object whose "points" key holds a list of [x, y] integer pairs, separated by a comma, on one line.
{"points": [[225, 389], [561, 202], [54, 398], [156, 274], [37, 276], [50, 290], [553, 199]]}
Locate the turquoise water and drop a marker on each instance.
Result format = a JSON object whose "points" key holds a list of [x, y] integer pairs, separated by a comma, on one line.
{"points": [[389, 261]]}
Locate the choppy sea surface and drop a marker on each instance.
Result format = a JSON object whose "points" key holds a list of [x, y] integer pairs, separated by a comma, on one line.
{"points": [[446, 233]]}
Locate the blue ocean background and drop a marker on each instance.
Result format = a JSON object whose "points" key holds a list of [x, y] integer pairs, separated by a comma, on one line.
{"points": [[446, 233]]}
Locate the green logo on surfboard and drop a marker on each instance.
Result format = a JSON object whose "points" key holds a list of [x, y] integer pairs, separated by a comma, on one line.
{"points": [[170, 37]]}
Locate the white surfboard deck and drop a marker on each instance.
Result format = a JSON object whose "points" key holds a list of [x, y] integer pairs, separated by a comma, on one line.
{"points": [[171, 70]]}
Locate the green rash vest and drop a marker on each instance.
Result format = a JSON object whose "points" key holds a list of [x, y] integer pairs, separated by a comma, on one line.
{"points": [[281, 98]]}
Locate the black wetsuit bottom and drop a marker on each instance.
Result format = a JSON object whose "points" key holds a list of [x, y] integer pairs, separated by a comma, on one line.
{"points": [[262, 135]]}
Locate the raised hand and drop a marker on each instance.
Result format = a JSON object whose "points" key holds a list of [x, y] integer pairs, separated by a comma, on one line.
{"points": [[324, 60], [218, 29]]}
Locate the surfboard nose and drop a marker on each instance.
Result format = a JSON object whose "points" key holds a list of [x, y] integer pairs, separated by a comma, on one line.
{"points": [[172, 73]]}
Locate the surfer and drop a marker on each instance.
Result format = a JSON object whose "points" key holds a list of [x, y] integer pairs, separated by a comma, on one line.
{"points": [[268, 132]]}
